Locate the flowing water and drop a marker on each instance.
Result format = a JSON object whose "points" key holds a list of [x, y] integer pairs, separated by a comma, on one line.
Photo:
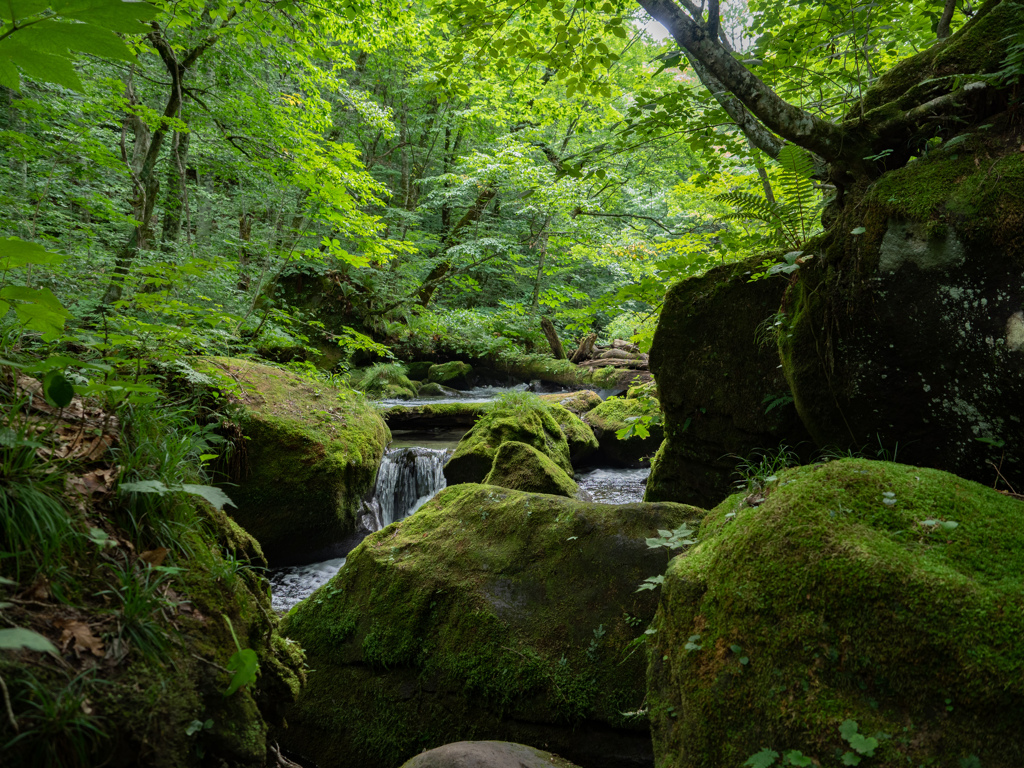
{"points": [[407, 479], [474, 395], [614, 486], [410, 474]]}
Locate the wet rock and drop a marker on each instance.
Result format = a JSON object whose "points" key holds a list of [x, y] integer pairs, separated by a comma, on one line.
{"points": [[486, 754]]}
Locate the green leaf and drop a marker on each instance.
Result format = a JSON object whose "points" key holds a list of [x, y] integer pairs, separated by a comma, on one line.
{"points": [[858, 230], [744, 660], [52, 36], [735, 648], [110, 14], [39, 318], [57, 390], [848, 729], [144, 486], [762, 759], [21, 9], [42, 296], [41, 66], [797, 758], [19, 637], [19, 253], [9, 77], [211, 493], [865, 745], [244, 665], [849, 758]]}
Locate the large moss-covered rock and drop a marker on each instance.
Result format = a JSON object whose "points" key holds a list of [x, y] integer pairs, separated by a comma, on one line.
{"points": [[617, 413], [434, 416], [883, 594], [911, 333], [486, 754], [715, 360], [578, 434], [578, 402], [524, 468], [310, 454], [453, 374], [523, 419], [489, 614]]}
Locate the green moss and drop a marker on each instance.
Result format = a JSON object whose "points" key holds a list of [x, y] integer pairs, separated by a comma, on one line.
{"points": [[578, 402], [491, 613], [528, 421], [850, 601], [543, 368], [523, 468], [447, 372], [420, 370], [310, 455], [578, 434], [432, 389]]}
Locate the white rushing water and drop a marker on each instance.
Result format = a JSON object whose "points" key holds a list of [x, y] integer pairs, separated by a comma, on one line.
{"points": [[297, 582], [407, 479], [475, 395]]}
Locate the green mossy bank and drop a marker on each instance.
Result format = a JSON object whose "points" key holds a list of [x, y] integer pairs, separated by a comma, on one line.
{"points": [[848, 595], [125, 704], [715, 360], [522, 467], [489, 614], [310, 454]]}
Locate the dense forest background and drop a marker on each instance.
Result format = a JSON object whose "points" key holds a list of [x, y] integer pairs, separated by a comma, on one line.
{"points": [[440, 187]]}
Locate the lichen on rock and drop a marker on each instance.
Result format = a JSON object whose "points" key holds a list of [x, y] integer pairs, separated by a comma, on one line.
{"points": [[888, 595], [489, 614]]}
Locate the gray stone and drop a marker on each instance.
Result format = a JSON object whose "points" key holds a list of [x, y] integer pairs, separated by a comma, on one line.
{"points": [[486, 754]]}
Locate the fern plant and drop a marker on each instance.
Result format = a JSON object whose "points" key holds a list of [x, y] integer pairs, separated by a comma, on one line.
{"points": [[794, 217]]}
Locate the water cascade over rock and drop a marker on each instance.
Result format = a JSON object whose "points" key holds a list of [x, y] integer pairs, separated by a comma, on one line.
{"points": [[407, 479]]}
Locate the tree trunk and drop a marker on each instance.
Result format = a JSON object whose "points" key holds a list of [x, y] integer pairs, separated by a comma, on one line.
{"points": [[585, 350], [176, 194], [438, 273], [244, 257], [552, 336]]}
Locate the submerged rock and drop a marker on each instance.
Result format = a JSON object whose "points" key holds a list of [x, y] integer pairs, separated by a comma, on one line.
{"points": [[525, 420], [859, 598], [523, 468], [486, 754], [309, 456], [490, 613], [617, 413]]}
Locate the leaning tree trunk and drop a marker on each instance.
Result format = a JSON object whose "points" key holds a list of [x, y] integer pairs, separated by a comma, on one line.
{"points": [[552, 335]]}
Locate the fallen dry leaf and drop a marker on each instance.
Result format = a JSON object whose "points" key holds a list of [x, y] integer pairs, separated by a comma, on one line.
{"points": [[154, 556], [81, 634]]}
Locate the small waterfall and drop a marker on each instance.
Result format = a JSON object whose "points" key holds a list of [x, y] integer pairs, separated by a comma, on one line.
{"points": [[407, 479]]}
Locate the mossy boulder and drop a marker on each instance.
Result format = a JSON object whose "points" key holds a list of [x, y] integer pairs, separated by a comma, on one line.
{"points": [[716, 364], [911, 333], [453, 374], [578, 402], [433, 389], [489, 614], [434, 416], [566, 374], [486, 754], [524, 468], [617, 413], [526, 421], [310, 454], [878, 593], [396, 392], [582, 442]]}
